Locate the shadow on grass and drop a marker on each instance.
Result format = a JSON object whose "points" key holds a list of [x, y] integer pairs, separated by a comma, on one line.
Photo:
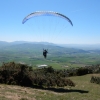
{"points": [[62, 90]]}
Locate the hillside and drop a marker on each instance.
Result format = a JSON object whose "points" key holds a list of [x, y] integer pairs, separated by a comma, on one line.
{"points": [[84, 90]]}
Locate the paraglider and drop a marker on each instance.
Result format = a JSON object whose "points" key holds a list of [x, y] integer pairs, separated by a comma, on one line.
{"points": [[45, 53], [46, 13]]}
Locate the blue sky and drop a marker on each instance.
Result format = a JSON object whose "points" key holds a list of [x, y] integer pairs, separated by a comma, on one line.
{"points": [[85, 15]]}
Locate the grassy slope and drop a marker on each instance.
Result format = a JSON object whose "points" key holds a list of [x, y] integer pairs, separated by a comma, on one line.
{"points": [[84, 90]]}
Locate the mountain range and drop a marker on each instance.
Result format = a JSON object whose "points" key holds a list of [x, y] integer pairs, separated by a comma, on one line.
{"points": [[77, 46]]}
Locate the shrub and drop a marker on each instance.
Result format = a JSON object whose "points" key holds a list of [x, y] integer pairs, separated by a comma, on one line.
{"points": [[20, 74], [95, 79], [82, 71]]}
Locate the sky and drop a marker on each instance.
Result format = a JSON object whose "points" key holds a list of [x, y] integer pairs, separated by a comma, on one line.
{"points": [[84, 14]]}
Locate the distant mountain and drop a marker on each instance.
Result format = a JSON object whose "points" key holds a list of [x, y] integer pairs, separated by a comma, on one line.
{"points": [[18, 42], [39, 46], [75, 46], [82, 46], [3, 43]]}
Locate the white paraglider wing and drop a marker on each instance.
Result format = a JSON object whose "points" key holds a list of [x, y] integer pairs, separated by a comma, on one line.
{"points": [[46, 13]]}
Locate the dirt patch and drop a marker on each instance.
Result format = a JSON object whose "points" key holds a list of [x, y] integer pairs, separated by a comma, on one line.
{"points": [[10, 92]]}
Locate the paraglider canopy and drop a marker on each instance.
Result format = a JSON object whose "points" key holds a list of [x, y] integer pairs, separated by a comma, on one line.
{"points": [[46, 13]]}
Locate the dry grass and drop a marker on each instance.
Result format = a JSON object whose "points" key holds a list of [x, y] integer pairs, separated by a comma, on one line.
{"points": [[84, 90], [11, 92]]}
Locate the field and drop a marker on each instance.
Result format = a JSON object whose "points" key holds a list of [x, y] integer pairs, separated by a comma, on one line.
{"points": [[58, 57], [84, 90], [58, 62]]}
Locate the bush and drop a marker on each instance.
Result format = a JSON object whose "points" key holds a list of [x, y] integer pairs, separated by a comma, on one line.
{"points": [[82, 71], [20, 74], [95, 79]]}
